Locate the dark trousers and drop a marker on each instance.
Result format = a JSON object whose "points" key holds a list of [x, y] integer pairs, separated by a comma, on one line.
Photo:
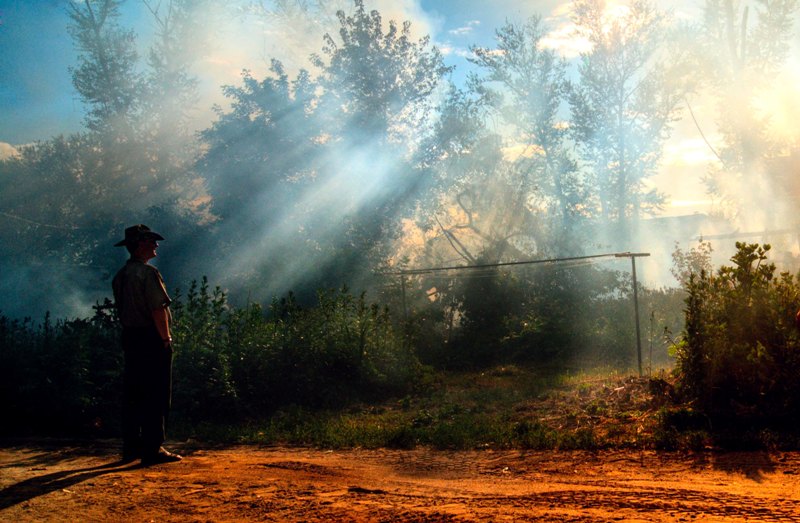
{"points": [[147, 392]]}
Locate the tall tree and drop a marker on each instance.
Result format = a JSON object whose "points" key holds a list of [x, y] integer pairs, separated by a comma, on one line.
{"points": [[171, 87], [624, 103], [113, 90], [483, 207], [377, 85], [264, 145], [318, 166], [106, 77], [743, 51], [139, 114], [377, 80], [526, 85], [460, 153], [170, 101]]}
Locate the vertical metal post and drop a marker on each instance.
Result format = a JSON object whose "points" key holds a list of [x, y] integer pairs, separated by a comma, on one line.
{"points": [[403, 289], [636, 314], [633, 256]]}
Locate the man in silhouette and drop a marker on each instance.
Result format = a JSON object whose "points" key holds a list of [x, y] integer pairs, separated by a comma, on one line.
{"points": [[142, 304]]}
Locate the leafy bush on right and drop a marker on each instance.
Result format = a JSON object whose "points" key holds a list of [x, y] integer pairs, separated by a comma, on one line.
{"points": [[739, 359]]}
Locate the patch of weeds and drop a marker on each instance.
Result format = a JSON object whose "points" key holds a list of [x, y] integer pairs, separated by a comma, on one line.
{"points": [[534, 435], [616, 432], [683, 418], [423, 419], [460, 431], [402, 437], [581, 439], [597, 408], [505, 371], [500, 408], [584, 389], [185, 430], [681, 428]]}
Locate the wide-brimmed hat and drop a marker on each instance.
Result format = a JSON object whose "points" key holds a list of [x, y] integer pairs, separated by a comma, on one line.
{"points": [[138, 233]]}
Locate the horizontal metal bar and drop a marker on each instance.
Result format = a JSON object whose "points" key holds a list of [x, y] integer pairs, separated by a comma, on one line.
{"points": [[508, 264]]}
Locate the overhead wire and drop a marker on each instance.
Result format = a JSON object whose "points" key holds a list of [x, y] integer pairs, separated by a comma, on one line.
{"points": [[39, 224]]}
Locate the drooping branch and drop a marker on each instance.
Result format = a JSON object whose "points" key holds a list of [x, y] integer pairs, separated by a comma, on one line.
{"points": [[457, 246]]}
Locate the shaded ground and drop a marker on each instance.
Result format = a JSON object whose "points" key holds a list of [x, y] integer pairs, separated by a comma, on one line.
{"points": [[73, 483]]}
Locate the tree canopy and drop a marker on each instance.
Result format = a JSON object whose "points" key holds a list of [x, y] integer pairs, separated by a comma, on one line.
{"points": [[367, 156]]}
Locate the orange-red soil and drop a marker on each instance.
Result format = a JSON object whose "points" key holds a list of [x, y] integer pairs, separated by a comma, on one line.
{"points": [[86, 483]]}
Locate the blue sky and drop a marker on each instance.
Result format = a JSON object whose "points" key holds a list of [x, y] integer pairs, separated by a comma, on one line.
{"points": [[37, 100]]}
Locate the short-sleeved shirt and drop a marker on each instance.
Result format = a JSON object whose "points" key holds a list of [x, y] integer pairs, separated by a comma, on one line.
{"points": [[138, 291]]}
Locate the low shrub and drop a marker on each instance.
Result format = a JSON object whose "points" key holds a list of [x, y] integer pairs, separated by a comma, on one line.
{"points": [[739, 357], [230, 364]]}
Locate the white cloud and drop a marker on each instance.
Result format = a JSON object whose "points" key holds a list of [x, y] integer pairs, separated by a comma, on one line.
{"points": [[448, 49], [565, 41], [463, 52], [465, 29]]}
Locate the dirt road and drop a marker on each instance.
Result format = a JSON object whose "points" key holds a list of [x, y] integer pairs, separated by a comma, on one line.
{"points": [[76, 483]]}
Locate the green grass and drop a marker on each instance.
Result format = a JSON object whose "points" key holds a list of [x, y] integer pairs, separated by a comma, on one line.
{"points": [[505, 407]]}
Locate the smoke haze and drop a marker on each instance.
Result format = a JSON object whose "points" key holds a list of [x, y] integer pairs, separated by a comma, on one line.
{"points": [[228, 38]]}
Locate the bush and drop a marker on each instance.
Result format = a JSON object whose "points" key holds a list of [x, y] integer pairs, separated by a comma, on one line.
{"points": [[548, 315], [65, 377], [247, 363], [739, 358], [62, 377], [201, 367]]}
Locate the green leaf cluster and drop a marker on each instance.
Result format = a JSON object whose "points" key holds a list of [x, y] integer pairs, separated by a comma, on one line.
{"points": [[739, 357], [245, 362], [65, 377], [62, 375]]}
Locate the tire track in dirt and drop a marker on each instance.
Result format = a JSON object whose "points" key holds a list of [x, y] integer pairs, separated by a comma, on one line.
{"points": [[421, 485], [593, 494], [686, 503]]}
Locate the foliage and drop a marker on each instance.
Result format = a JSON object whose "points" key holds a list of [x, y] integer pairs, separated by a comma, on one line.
{"points": [[379, 82], [229, 363], [624, 104], [309, 177], [240, 362], [739, 357], [548, 314], [66, 375], [106, 75], [743, 50], [522, 407], [312, 171], [202, 382], [507, 190], [525, 85], [694, 261]]}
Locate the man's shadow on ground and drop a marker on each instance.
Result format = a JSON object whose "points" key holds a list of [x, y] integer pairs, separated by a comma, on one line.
{"points": [[40, 485]]}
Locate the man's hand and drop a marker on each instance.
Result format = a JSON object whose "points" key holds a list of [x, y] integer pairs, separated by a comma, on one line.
{"points": [[161, 319]]}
